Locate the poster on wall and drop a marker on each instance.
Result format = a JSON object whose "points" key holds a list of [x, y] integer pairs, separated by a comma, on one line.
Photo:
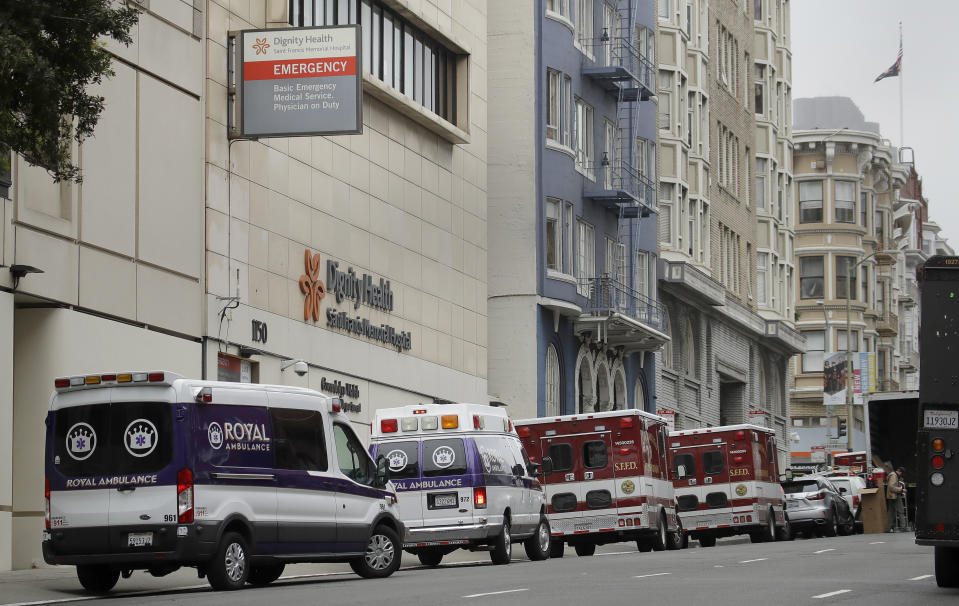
{"points": [[670, 416], [834, 379], [864, 375], [300, 81], [758, 417], [233, 369]]}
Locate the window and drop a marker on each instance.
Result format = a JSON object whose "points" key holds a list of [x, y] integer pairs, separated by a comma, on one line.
{"points": [[393, 50], [761, 182], [641, 283], [667, 191], [298, 439], [642, 158], [758, 10], [687, 461], [552, 383], [845, 202], [865, 284], [811, 275], [845, 267], [863, 208], [841, 340], [554, 241], [584, 135], [810, 202], [586, 257], [713, 462], [594, 454], [815, 348], [881, 299], [560, 7], [552, 104], [609, 153], [762, 260], [403, 458], [616, 260], [689, 350], [6, 171], [444, 458], [351, 456], [879, 227], [567, 111], [664, 11], [759, 89], [562, 455], [568, 240], [584, 23]]}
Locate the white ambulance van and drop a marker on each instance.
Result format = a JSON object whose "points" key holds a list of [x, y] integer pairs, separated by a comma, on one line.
{"points": [[463, 481], [152, 471]]}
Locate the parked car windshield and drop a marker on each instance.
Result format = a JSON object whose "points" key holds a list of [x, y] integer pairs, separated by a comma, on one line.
{"points": [[801, 487]]}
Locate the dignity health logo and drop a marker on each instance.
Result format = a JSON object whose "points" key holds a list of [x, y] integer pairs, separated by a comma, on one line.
{"points": [[312, 286], [261, 46], [81, 441]]}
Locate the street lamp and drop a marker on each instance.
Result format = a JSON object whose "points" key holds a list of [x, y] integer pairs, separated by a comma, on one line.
{"points": [[826, 349], [849, 417]]}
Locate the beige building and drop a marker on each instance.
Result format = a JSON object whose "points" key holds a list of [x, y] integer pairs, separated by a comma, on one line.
{"points": [[183, 251], [848, 183], [726, 229]]}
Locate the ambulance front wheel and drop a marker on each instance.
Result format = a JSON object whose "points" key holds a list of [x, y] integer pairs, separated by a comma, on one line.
{"points": [[97, 578], [556, 549], [660, 540], [538, 545], [382, 557], [502, 551], [677, 539]]}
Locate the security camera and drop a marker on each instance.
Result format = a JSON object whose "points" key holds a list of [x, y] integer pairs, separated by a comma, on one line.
{"points": [[299, 367]]}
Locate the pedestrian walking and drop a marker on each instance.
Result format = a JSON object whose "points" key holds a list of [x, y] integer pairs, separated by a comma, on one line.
{"points": [[893, 490]]}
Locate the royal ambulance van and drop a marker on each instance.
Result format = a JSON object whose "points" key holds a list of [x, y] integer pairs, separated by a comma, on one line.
{"points": [[727, 483], [606, 479], [152, 471], [463, 481]]}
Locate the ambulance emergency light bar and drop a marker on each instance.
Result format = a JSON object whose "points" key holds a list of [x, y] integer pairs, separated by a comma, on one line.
{"points": [[158, 377], [417, 418]]}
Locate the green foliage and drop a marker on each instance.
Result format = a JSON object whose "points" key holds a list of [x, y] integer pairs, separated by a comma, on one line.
{"points": [[51, 52]]}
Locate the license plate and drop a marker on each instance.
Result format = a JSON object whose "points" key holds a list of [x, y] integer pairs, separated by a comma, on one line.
{"points": [[140, 539], [441, 501], [941, 419]]}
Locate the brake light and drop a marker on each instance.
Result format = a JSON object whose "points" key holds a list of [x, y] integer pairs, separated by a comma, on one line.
{"points": [[738, 459], [419, 411], [184, 496], [625, 422], [524, 432], [938, 461], [624, 451], [46, 502], [740, 435], [388, 425], [450, 421], [817, 497], [855, 500], [938, 445], [479, 497]]}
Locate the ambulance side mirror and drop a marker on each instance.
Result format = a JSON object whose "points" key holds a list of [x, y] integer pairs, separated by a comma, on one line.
{"points": [[789, 475], [680, 472], [382, 472], [547, 466]]}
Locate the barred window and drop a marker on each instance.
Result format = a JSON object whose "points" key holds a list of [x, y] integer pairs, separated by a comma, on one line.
{"points": [[393, 50]]}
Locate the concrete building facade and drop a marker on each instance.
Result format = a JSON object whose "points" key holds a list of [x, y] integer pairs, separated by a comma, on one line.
{"points": [[184, 251], [574, 317], [726, 227]]}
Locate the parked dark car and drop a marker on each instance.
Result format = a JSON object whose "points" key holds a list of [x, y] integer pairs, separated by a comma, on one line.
{"points": [[815, 506]]}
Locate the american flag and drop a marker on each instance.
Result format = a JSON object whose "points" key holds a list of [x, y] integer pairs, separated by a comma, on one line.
{"points": [[894, 69]]}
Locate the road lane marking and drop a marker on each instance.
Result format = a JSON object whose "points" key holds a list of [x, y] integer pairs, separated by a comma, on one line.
{"points": [[877, 542], [616, 553], [830, 594], [920, 577], [655, 574], [718, 566], [751, 561], [824, 550], [480, 595]]}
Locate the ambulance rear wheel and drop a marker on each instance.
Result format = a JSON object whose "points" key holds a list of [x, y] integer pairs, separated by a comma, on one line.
{"points": [[538, 545], [784, 532], [230, 566], [503, 547], [677, 540], [99, 578], [644, 545], [707, 541], [556, 549], [430, 557], [265, 574], [660, 540], [585, 549], [947, 566]]}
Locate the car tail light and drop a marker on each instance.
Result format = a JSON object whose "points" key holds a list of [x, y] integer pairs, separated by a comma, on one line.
{"points": [[388, 425], [817, 497], [938, 461], [625, 422], [855, 500], [740, 435], [938, 445], [184, 496], [479, 497], [450, 421], [524, 432], [46, 502]]}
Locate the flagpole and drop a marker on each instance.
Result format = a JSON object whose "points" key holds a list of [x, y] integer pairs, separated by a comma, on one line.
{"points": [[902, 135]]}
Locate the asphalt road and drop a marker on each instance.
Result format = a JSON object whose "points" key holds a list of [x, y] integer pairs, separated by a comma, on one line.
{"points": [[871, 570]]}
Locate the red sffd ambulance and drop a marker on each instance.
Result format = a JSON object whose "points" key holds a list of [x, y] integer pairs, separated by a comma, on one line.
{"points": [[855, 461], [727, 483], [606, 479]]}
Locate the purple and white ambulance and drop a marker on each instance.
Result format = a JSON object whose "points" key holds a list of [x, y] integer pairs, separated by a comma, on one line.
{"points": [[152, 471]]}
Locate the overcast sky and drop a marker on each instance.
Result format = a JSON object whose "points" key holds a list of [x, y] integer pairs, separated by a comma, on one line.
{"points": [[840, 46]]}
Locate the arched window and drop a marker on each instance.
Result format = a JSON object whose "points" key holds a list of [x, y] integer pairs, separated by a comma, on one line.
{"points": [[552, 382], [639, 396], [689, 349]]}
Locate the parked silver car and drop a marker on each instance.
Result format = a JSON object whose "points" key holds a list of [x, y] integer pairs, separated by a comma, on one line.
{"points": [[849, 487], [815, 506]]}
